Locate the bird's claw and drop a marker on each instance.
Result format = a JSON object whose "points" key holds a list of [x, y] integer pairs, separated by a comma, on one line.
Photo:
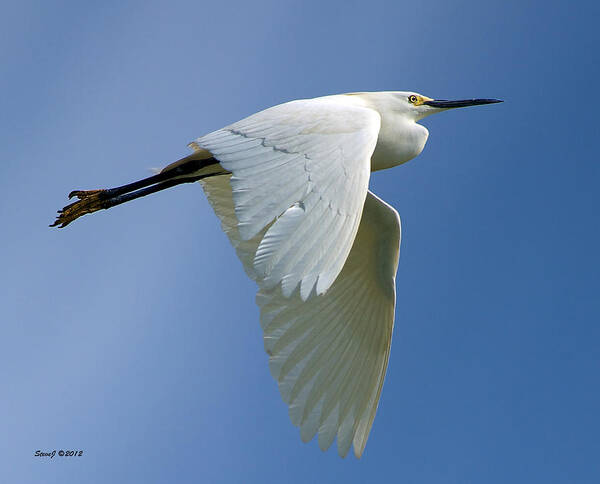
{"points": [[89, 201]]}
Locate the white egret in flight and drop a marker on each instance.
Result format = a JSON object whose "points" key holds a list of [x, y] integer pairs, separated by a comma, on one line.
{"points": [[290, 185]]}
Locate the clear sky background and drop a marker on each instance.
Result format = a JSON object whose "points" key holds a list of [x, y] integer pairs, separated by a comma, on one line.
{"points": [[133, 334]]}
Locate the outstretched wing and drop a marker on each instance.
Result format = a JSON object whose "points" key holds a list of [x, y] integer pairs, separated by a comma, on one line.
{"points": [[300, 170], [329, 353]]}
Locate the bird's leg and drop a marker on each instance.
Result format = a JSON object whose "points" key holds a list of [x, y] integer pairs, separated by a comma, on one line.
{"points": [[187, 170], [89, 201]]}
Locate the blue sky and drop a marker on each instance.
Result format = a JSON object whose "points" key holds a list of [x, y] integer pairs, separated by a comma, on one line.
{"points": [[133, 334]]}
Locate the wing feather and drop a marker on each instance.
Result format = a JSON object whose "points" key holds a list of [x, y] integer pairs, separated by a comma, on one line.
{"points": [[328, 352], [296, 167]]}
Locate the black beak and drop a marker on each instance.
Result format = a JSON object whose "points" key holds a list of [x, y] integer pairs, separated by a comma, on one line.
{"points": [[442, 103]]}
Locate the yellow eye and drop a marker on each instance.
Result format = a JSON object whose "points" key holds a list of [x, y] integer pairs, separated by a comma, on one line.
{"points": [[412, 99]]}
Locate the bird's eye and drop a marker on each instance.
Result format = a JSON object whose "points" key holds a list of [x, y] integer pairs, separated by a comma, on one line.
{"points": [[412, 99]]}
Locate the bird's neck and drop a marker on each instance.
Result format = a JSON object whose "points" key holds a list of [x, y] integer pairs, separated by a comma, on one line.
{"points": [[399, 141], [400, 138]]}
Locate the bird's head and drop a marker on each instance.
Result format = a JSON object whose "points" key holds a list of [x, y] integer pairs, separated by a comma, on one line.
{"points": [[416, 106]]}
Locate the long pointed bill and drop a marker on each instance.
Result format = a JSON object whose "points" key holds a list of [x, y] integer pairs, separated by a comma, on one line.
{"points": [[463, 103]]}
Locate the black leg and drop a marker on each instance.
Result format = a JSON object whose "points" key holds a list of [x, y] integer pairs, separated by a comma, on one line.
{"points": [[184, 171]]}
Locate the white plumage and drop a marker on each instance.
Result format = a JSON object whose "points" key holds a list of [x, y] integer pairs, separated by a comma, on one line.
{"points": [[294, 209], [329, 353], [290, 166], [290, 186]]}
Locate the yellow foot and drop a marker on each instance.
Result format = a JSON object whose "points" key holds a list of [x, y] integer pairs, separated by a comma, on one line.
{"points": [[89, 201]]}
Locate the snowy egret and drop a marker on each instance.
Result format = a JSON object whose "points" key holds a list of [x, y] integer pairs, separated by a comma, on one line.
{"points": [[290, 186]]}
